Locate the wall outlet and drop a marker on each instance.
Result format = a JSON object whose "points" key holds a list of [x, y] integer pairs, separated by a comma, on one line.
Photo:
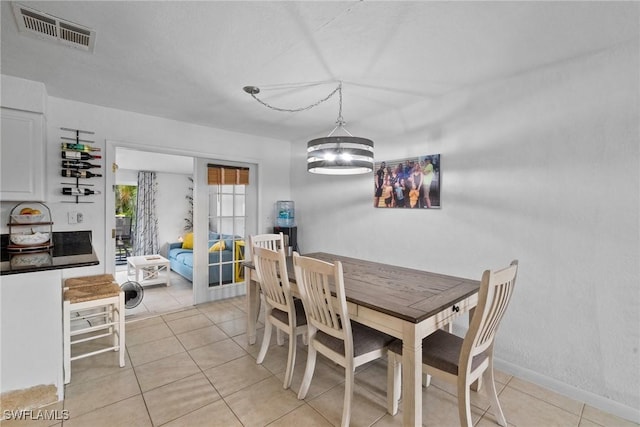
{"points": [[74, 217]]}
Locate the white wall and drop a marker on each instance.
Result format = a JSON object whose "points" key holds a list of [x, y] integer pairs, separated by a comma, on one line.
{"points": [[543, 167], [172, 207], [31, 338], [151, 133]]}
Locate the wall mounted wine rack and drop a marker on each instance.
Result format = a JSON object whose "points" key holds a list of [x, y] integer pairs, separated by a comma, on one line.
{"points": [[78, 158]]}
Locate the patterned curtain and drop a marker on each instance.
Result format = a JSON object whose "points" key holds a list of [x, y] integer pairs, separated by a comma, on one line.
{"points": [[145, 238]]}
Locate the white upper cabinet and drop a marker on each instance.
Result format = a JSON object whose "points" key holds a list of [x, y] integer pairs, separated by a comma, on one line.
{"points": [[22, 156]]}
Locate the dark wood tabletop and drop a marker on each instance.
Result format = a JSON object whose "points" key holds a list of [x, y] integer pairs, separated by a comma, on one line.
{"points": [[409, 294]]}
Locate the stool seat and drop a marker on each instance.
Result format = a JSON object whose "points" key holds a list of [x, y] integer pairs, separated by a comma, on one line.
{"points": [[95, 306], [91, 292], [89, 280]]}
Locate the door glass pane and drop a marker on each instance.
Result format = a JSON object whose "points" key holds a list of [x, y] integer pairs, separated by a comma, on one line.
{"points": [[213, 203], [226, 234], [226, 205], [226, 226], [238, 226], [239, 205]]}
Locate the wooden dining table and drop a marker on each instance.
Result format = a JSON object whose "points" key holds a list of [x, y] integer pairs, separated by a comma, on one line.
{"points": [[406, 303]]}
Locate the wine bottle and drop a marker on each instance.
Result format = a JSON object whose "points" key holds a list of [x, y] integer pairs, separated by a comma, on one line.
{"points": [[78, 147], [79, 155], [73, 191], [78, 165], [73, 173]]}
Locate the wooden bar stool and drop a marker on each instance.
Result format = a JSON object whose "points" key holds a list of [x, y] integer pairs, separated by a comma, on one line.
{"points": [[94, 305]]}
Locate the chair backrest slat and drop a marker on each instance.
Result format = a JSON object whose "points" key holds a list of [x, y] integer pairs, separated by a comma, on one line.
{"points": [[271, 267], [495, 294], [270, 241], [314, 278]]}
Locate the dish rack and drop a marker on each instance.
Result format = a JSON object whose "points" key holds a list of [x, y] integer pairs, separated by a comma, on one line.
{"points": [[41, 237]]}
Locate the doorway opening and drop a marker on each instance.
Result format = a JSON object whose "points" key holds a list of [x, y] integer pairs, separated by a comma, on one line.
{"points": [[187, 200], [164, 289]]}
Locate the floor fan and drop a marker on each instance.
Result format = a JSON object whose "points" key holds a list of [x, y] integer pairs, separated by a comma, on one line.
{"points": [[133, 294]]}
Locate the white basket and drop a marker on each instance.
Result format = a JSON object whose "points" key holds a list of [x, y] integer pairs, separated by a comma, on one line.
{"points": [[36, 238], [27, 219]]}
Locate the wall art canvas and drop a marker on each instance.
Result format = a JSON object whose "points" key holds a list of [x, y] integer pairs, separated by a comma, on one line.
{"points": [[411, 183]]}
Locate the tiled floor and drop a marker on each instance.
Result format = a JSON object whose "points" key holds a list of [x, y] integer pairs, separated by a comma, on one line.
{"points": [[194, 368], [159, 298]]}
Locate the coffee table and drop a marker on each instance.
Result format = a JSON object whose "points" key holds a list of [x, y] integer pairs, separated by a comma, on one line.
{"points": [[149, 269]]}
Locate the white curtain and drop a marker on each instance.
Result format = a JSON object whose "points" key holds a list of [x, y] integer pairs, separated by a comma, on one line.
{"points": [[145, 239]]}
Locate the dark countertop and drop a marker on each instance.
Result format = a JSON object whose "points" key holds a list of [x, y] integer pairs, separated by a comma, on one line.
{"points": [[70, 249]]}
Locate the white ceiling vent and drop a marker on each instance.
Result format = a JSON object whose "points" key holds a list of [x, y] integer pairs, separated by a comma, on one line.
{"points": [[45, 26]]}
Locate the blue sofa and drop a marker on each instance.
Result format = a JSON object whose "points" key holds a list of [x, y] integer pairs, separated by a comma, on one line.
{"points": [[181, 260]]}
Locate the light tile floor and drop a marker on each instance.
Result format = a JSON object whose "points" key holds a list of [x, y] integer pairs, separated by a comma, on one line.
{"points": [[161, 298], [194, 368]]}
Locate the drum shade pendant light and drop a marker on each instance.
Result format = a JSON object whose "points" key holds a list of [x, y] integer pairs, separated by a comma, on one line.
{"points": [[332, 154]]}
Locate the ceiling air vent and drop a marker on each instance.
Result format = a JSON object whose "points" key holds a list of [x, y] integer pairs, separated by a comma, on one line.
{"points": [[48, 27]]}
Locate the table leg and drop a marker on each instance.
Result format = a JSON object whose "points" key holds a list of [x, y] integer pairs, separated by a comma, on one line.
{"points": [[253, 305], [167, 269], [411, 376]]}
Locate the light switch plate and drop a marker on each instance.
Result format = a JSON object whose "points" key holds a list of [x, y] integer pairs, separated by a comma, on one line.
{"points": [[73, 217]]}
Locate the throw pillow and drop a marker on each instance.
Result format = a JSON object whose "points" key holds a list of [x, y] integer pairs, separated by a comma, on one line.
{"points": [[187, 242], [218, 246]]}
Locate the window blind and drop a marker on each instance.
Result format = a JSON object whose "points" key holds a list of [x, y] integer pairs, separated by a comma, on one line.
{"points": [[219, 174]]}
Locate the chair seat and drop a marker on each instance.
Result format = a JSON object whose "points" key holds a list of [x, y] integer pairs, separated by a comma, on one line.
{"points": [[89, 280], [441, 350], [365, 340], [301, 317], [91, 292]]}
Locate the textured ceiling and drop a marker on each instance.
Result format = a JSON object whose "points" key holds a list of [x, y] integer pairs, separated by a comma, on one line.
{"points": [[189, 60]]}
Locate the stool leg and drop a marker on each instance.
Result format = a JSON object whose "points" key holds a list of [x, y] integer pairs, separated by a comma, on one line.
{"points": [[121, 332], [111, 318], [66, 316]]}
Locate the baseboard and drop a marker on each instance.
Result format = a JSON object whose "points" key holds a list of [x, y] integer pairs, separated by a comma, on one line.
{"points": [[591, 399]]}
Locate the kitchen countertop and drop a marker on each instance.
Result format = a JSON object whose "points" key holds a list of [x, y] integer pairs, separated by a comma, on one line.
{"points": [[70, 249]]}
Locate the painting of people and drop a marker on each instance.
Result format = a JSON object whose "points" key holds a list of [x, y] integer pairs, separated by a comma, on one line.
{"points": [[412, 183]]}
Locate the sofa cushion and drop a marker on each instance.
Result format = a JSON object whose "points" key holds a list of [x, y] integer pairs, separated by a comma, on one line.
{"points": [[174, 252], [186, 258]]}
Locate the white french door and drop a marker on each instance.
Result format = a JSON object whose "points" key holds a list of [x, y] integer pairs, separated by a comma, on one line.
{"points": [[224, 215]]}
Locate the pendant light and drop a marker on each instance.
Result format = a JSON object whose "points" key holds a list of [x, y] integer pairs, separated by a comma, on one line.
{"points": [[332, 154]]}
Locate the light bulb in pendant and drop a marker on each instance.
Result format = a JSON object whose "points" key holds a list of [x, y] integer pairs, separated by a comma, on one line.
{"points": [[330, 157], [347, 157]]}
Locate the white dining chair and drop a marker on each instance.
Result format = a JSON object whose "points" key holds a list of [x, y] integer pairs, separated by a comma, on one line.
{"points": [[331, 332], [273, 241], [463, 361], [281, 309]]}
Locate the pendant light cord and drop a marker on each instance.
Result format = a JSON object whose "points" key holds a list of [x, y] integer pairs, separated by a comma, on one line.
{"points": [[338, 90]]}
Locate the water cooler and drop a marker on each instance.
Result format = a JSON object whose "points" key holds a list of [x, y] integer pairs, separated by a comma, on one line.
{"points": [[286, 224]]}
